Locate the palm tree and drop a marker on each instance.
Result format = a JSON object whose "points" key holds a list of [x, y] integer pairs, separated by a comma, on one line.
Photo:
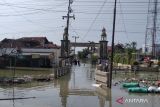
{"points": [[134, 45], [127, 45]]}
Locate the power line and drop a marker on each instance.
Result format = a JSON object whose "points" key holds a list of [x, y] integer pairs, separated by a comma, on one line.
{"points": [[99, 12], [74, 30], [58, 30], [50, 10], [28, 13], [28, 20], [107, 5], [132, 22], [119, 31], [134, 2], [40, 12], [123, 20], [39, 9], [130, 19], [30, 32], [29, 4], [139, 13]]}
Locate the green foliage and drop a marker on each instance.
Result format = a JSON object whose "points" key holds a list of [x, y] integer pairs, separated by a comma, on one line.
{"points": [[94, 58], [80, 55], [119, 48], [158, 63], [83, 54], [117, 58], [124, 53], [135, 63]]}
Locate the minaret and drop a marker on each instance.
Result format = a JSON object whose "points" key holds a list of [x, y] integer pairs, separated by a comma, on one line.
{"points": [[103, 35], [103, 54]]}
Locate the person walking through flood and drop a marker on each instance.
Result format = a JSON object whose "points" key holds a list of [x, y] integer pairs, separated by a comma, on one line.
{"points": [[75, 62], [106, 67], [78, 62]]}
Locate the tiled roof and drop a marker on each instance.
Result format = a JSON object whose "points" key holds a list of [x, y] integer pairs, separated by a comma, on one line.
{"points": [[27, 42]]}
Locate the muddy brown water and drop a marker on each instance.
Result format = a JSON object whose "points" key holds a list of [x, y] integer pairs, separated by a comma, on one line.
{"points": [[75, 90]]}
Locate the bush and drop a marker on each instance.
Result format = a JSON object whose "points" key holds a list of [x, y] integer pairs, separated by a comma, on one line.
{"points": [[158, 63], [94, 58], [135, 63]]}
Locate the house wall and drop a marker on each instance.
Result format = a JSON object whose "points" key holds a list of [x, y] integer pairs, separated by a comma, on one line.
{"points": [[44, 55]]}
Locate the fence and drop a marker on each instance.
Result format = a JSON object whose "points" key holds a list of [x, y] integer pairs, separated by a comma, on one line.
{"points": [[61, 71]]}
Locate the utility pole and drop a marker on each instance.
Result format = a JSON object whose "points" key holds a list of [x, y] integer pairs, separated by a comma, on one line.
{"points": [[68, 15], [66, 32], [112, 54], [75, 38]]}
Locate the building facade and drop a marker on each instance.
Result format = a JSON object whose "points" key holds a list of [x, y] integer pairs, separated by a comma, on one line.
{"points": [[30, 52]]}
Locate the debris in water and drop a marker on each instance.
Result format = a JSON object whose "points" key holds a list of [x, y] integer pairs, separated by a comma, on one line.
{"points": [[96, 85]]}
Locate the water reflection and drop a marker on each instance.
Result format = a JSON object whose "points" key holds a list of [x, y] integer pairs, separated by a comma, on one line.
{"points": [[73, 90], [13, 96], [13, 103], [104, 95], [64, 89], [67, 90]]}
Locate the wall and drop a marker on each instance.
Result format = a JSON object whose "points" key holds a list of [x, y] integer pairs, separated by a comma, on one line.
{"points": [[36, 51]]}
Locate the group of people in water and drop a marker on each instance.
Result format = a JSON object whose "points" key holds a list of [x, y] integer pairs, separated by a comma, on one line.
{"points": [[76, 62]]}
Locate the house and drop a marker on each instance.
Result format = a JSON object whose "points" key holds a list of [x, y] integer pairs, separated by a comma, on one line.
{"points": [[30, 52]]}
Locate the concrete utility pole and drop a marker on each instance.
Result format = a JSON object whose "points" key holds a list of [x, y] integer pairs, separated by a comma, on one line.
{"points": [[75, 38], [68, 15], [112, 54], [66, 33]]}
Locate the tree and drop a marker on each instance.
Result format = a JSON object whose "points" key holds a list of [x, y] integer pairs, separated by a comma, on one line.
{"points": [[129, 49], [83, 54], [134, 45], [119, 48]]}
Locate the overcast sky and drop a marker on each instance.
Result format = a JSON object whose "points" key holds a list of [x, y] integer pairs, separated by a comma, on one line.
{"points": [[19, 18]]}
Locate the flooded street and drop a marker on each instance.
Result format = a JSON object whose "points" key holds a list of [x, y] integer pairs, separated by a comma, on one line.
{"points": [[48, 49], [74, 90]]}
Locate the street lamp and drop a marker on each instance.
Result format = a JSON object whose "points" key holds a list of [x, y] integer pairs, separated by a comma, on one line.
{"points": [[75, 38]]}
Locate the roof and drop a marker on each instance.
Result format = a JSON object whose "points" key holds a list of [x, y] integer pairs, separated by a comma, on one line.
{"points": [[28, 42], [40, 39], [109, 48]]}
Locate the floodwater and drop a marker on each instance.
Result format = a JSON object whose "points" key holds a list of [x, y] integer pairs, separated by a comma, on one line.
{"points": [[74, 90]]}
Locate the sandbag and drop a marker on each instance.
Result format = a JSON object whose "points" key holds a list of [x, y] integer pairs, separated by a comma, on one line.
{"points": [[158, 89], [138, 89], [128, 85], [152, 89]]}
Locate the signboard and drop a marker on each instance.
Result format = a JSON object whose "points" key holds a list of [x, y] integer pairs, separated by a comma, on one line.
{"points": [[35, 56], [51, 56]]}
